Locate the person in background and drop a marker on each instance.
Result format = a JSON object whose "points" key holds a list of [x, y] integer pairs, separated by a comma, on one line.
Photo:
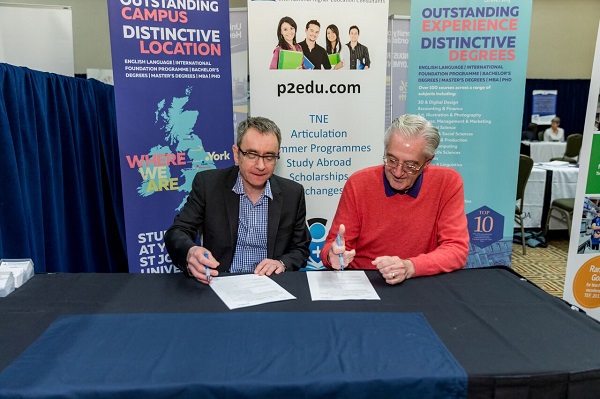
{"points": [[595, 238], [286, 39], [250, 220], [405, 218], [554, 133], [334, 46], [359, 54], [531, 134], [312, 51]]}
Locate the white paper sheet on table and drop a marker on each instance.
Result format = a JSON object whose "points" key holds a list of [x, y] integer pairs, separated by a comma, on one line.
{"points": [[340, 285], [248, 290]]}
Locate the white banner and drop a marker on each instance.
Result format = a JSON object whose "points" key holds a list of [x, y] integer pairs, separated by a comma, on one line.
{"points": [[582, 279], [332, 121], [37, 37]]}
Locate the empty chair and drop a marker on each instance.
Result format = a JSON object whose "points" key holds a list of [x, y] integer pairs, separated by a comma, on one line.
{"points": [[564, 208], [572, 150], [541, 136], [525, 166]]}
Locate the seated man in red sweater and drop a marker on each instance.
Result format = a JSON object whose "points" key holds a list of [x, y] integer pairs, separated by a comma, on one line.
{"points": [[405, 218]]}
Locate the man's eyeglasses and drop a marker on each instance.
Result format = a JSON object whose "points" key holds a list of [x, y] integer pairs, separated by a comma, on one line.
{"points": [[252, 156], [410, 169]]}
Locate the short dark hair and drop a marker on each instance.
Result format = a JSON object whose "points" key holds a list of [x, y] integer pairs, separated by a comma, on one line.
{"points": [[260, 123], [313, 22], [532, 127], [354, 27]]}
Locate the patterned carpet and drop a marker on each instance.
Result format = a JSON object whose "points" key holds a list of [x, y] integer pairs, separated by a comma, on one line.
{"points": [[545, 267]]}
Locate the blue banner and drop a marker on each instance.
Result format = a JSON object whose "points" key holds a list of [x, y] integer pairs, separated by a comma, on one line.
{"points": [[172, 72], [467, 76], [543, 106]]}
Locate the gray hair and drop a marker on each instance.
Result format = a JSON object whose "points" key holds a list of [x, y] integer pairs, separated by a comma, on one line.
{"points": [[410, 127], [556, 119], [260, 123]]}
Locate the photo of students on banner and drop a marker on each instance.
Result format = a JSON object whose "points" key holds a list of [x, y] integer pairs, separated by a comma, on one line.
{"points": [[359, 54], [308, 54], [315, 56], [338, 55], [288, 53], [589, 233]]}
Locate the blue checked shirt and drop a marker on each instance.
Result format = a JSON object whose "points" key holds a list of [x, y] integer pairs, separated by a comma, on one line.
{"points": [[251, 246]]}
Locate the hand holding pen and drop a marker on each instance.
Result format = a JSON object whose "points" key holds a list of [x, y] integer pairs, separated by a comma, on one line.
{"points": [[207, 268], [339, 243], [201, 264], [338, 256]]}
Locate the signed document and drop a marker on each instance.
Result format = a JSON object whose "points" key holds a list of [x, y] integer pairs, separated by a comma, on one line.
{"points": [[248, 290], [340, 285]]}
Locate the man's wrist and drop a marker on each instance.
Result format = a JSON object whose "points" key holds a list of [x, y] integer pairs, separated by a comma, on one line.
{"points": [[283, 264], [190, 252]]}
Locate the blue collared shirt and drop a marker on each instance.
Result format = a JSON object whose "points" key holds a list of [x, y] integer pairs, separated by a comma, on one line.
{"points": [[413, 191], [251, 246]]}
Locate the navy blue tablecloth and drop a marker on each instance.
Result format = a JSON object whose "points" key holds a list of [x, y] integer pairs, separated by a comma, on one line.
{"points": [[266, 355]]}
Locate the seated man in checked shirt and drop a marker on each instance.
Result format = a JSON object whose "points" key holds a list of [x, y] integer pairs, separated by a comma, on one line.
{"points": [[251, 220]]}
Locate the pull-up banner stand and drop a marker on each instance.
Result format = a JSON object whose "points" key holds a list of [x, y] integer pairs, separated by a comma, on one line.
{"points": [[332, 120], [582, 279], [172, 72], [468, 63]]}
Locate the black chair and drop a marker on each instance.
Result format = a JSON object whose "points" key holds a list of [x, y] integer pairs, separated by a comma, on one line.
{"points": [[572, 151], [525, 166], [564, 207]]}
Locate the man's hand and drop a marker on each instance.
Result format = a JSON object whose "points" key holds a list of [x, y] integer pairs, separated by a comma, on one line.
{"points": [[335, 250], [393, 269], [269, 266], [198, 259]]}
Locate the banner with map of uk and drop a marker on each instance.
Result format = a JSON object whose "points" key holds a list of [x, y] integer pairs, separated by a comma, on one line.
{"points": [[172, 72], [468, 64]]}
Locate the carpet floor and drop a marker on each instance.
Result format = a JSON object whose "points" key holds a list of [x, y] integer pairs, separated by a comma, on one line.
{"points": [[545, 267]]}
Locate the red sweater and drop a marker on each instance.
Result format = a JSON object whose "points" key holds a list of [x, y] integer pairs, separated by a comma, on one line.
{"points": [[430, 230]]}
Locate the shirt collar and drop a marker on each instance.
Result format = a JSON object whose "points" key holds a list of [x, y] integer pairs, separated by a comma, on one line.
{"points": [[238, 188], [413, 191]]}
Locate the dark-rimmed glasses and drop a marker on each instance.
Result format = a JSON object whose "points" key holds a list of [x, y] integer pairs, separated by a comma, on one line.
{"points": [[252, 156]]}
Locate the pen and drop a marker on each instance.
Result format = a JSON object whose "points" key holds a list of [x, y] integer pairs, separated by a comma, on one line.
{"points": [[207, 268], [339, 242]]}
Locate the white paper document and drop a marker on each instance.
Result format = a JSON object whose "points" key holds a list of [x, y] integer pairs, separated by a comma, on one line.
{"points": [[7, 283], [340, 285], [248, 290], [22, 269]]}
